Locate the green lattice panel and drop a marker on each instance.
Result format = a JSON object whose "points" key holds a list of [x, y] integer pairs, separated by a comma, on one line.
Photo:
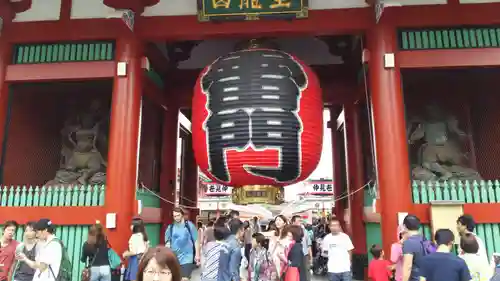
{"points": [[52, 196], [63, 52], [449, 38]]}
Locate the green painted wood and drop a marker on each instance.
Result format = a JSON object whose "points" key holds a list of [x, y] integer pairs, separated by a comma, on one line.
{"points": [[52, 196], [148, 198], [155, 77], [63, 52], [73, 237], [373, 236], [466, 191], [154, 233], [449, 38]]}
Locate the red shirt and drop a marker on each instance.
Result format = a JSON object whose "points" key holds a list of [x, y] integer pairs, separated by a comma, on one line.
{"points": [[378, 270], [7, 254]]}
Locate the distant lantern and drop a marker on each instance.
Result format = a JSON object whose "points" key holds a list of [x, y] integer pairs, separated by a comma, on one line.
{"points": [[257, 122]]}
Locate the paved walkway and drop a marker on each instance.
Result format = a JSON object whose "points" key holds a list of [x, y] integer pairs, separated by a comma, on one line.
{"points": [[196, 277]]}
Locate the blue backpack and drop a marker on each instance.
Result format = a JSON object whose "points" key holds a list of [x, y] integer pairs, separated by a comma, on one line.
{"points": [[428, 246]]}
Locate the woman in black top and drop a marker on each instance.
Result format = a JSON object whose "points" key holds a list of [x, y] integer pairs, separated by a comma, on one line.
{"points": [[95, 254], [295, 254], [22, 271]]}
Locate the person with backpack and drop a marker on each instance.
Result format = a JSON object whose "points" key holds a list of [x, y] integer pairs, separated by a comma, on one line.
{"points": [[260, 265], [415, 247], [443, 265], [52, 262], [182, 238]]}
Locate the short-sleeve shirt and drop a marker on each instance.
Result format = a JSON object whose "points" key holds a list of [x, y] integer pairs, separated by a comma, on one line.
{"points": [[338, 247], [49, 253], [7, 254], [182, 240], [378, 270], [414, 246], [306, 241], [444, 266], [136, 244]]}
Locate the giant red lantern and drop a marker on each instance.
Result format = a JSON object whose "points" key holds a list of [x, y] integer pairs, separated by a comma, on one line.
{"points": [[257, 119]]}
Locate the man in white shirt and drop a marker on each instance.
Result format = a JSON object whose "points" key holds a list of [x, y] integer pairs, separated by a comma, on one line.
{"points": [[339, 247], [466, 224], [49, 256]]}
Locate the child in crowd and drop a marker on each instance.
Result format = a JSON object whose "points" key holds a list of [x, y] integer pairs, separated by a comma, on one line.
{"points": [[379, 269], [260, 265]]}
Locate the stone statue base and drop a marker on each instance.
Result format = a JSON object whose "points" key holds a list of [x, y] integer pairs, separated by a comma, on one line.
{"points": [[457, 173], [66, 177]]}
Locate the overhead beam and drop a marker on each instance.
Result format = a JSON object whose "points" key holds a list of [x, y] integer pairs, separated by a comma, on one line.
{"points": [[449, 58], [442, 15], [156, 58], [60, 71], [319, 22]]}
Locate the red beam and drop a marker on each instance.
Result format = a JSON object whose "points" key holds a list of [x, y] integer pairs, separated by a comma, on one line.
{"points": [[60, 71], [449, 58], [73, 30], [482, 212], [319, 22], [442, 15], [156, 58], [59, 215], [151, 215], [65, 12]]}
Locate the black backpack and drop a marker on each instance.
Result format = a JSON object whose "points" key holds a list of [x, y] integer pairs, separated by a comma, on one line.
{"points": [[186, 225]]}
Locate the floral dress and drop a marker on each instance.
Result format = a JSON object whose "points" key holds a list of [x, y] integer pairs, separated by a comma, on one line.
{"points": [[261, 266]]}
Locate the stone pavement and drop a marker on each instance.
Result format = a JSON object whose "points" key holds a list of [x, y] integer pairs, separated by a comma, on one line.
{"points": [[196, 277]]}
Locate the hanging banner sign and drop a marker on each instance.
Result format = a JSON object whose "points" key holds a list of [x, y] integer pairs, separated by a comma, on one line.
{"points": [[224, 10], [214, 189], [317, 188]]}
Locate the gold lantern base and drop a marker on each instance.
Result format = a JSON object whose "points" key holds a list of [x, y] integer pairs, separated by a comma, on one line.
{"points": [[258, 194]]}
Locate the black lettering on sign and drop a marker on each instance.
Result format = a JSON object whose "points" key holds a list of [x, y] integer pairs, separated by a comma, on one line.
{"points": [[322, 187], [329, 188], [212, 188], [315, 187], [253, 101]]}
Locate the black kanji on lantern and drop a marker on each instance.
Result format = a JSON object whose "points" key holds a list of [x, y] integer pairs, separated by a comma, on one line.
{"points": [[253, 98]]}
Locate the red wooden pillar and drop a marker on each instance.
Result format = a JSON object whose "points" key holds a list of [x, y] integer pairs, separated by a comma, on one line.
{"points": [[189, 189], [5, 60], [168, 174], [123, 141], [339, 207], [391, 147], [355, 175]]}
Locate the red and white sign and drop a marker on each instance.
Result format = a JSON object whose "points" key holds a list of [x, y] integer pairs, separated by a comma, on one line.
{"points": [[215, 189], [317, 188]]}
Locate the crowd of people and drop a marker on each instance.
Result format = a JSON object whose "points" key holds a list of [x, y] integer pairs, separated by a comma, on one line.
{"points": [[414, 258], [229, 249]]}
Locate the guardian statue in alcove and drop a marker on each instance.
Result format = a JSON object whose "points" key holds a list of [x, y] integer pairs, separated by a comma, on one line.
{"points": [[83, 139], [441, 156]]}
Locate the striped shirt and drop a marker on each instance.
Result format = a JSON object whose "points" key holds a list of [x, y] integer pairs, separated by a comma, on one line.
{"points": [[215, 265]]}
